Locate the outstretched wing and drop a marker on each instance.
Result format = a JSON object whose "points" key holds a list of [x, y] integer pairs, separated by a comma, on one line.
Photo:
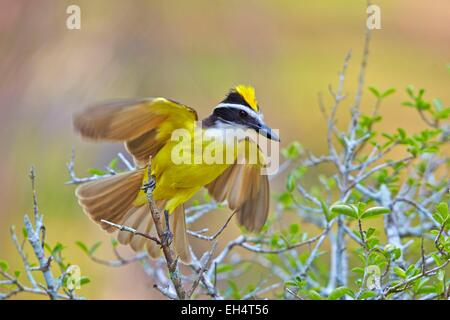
{"points": [[144, 124], [245, 189]]}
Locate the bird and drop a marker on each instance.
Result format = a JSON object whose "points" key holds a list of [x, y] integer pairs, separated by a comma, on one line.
{"points": [[146, 125]]}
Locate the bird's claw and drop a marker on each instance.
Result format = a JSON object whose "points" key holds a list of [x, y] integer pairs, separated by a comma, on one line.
{"points": [[150, 185], [166, 238], [167, 235]]}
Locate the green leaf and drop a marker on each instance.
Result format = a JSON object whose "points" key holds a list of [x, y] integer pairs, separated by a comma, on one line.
{"points": [[402, 133], [388, 92], [294, 228], [114, 242], [48, 248], [367, 295], [57, 249], [437, 216], [95, 247], [327, 213], [285, 199], [410, 90], [17, 273], [84, 280], [340, 292], [224, 268], [374, 211], [375, 92], [4, 265], [25, 232], [232, 286], [113, 164], [206, 196], [314, 295], [441, 214], [291, 182], [82, 246], [369, 232], [372, 242], [400, 272], [97, 172], [442, 208], [358, 270], [426, 290], [344, 209], [292, 151]]}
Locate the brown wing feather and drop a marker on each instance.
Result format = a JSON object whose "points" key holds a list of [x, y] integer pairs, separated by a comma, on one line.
{"points": [[247, 192], [140, 219], [117, 120], [144, 146], [135, 121], [181, 243]]}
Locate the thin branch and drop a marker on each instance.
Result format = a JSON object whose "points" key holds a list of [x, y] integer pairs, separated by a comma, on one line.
{"points": [[121, 261], [373, 170], [172, 261], [214, 236], [403, 285], [23, 257], [256, 249], [131, 230], [202, 270], [125, 161]]}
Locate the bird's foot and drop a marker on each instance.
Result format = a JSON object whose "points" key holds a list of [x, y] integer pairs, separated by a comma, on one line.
{"points": [[167, 238], [150, 185], [167, 235]]}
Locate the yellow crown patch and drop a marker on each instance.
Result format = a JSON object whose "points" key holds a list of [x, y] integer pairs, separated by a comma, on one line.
{"points": [[248, 93]]}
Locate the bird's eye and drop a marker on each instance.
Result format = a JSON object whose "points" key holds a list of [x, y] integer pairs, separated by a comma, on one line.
{"points": [[243, 114]]}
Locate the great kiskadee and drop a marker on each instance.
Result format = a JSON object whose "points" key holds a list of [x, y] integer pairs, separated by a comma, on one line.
{"points": [[146, 126]]}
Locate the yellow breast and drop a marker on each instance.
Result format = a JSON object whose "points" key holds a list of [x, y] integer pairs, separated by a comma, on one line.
{"points": [[182, 167]]}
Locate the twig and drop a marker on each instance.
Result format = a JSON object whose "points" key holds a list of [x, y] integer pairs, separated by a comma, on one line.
{"points": [[76, 180], [406, 282], [214, 236], [23, 257], [259, 291], [120, 262], [252, 248], [125, 161], [172, 262], [364, 176], [131, 230], [205, 266]]}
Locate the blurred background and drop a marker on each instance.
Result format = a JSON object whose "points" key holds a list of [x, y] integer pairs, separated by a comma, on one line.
{"points": [[192, 52]]}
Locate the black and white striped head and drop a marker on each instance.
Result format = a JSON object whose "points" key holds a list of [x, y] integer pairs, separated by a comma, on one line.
{"points": [[239, 109]]}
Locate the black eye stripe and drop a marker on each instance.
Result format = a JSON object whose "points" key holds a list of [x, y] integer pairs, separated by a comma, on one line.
{"points": [[233, 115]]}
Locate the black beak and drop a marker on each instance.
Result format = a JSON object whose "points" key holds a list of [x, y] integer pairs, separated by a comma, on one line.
{"points": [[264, 130]]}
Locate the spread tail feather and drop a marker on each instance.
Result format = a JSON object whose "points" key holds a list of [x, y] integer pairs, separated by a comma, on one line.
{"points": [[112, 199], [181, 243], [141, 220]]}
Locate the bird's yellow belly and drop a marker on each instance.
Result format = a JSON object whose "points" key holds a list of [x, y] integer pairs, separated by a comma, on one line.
{"points": [[178, 182]]}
